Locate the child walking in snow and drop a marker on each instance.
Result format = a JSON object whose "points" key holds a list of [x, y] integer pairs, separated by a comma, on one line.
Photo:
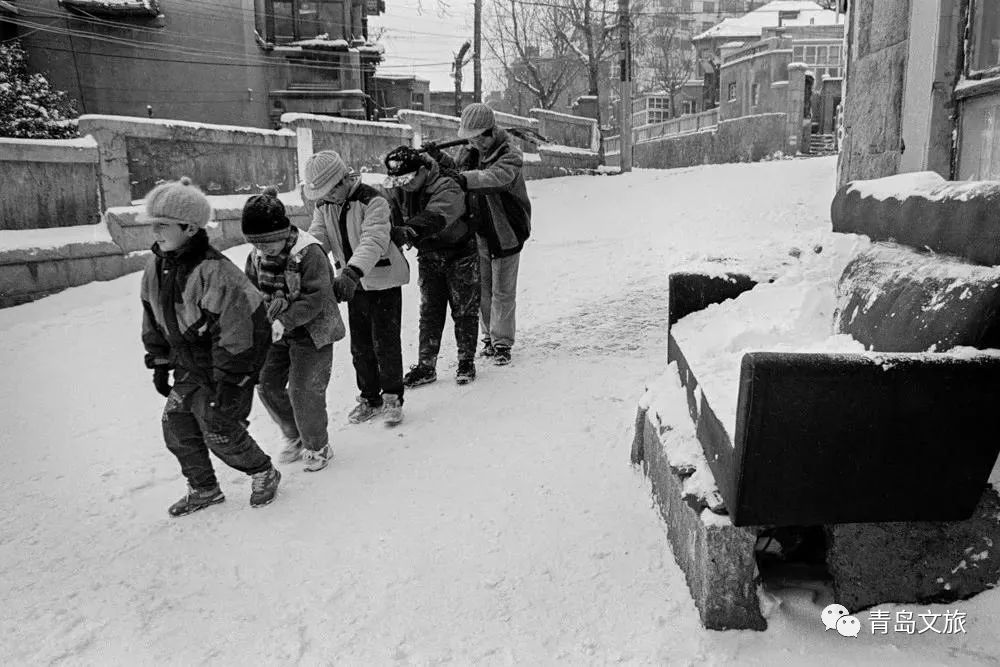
{"points": [[203, 320], [352, 220], [293, 273]]}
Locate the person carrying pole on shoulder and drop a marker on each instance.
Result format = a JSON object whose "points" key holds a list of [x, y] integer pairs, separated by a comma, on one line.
{"points": [[489, 170]]}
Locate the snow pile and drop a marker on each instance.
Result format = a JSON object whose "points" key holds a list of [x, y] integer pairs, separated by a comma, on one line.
{"points": [[792, 314], [53, 237], [926, 184]]}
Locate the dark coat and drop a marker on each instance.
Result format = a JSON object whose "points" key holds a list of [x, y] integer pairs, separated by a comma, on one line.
{"points": [[202, 315], [497, 195]]}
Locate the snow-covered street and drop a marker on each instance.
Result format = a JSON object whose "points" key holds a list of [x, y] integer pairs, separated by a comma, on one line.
{"points": [[500, 524]]}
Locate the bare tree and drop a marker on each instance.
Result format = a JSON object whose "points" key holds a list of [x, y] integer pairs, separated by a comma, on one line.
{"points": [[668, 62], [593, 37], [523, 37]]}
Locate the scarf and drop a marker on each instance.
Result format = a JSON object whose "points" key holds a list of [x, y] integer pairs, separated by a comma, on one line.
{"points": [[271, 269]]}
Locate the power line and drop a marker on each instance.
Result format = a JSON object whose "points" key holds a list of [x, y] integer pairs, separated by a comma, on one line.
{"points": [[221, 58]]}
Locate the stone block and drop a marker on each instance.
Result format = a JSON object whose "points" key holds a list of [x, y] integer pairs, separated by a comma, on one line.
{"points": [[49, 275], [716, 557], [889, 25], [79, 271], [915, 561], [15, 279], [109, 267]]}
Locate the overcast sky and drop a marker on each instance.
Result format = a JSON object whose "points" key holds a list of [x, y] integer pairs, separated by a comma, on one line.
{"points": [[420, 40]]}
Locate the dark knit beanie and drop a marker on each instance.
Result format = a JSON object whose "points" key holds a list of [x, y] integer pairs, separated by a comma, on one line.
{"points": [[264, 218]]}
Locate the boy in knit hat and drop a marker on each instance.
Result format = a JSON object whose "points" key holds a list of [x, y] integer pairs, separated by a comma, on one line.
{"points": [[203, 320], [432, 211], [293, 273], [352, 221]]}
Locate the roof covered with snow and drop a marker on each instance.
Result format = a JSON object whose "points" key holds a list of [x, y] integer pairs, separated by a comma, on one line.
{"points": [[753, 23]]}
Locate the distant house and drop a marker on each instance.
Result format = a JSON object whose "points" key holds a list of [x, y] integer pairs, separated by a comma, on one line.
{"points": [[654, 107], [401, 91], [754, 26], [241, 62], [443, 101], [922, 89]]}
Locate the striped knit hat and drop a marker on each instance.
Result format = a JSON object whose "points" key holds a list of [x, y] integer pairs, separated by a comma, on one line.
{"points": [[264, 219]]}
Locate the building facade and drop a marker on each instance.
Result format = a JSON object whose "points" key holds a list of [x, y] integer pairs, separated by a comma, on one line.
{"points": [[239, 62], [401, 91], [922, 89]]}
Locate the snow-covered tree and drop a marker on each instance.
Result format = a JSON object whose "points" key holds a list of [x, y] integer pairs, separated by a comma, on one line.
{"points": [[29, 107]]}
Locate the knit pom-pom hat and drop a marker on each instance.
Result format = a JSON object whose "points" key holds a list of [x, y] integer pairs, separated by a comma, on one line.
{"points": [[177, 202], [264, 219]]}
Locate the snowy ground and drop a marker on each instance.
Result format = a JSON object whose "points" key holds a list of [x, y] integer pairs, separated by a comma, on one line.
{"points": [[501, 524]]}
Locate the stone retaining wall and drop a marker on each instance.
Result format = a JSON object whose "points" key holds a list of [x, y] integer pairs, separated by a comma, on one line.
{"points": [[89, 190]]}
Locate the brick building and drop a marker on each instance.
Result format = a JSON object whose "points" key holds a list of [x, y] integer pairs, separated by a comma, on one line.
{"points": [[240, 62]]}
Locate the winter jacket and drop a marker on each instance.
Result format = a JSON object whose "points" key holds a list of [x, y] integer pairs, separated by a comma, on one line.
{"points": [[498, 198], [436, 212], [312, 307], [201, 315], [369, 249]]}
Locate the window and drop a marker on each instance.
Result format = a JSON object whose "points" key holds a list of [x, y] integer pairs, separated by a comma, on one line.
{"points": [[833, 72], [797, 54], [293, 20], [985, 30], [835, 55], [754, 92], [732, 92], [810, 57], [708, 8], [707, 25]]}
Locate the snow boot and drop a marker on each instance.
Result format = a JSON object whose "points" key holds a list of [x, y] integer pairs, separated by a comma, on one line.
{"points": [[466, 372], [292, 451], [264, 486], [363, 411], [501, 355], [196, 500], [317, 460], [487, 350], [420, 374], [393, 410]]}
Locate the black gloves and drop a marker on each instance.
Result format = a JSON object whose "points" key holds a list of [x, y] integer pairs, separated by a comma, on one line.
{"points": [[226, 394], [346, 283], [456, 176], [403, 235], [432, 149], [161, 380]]}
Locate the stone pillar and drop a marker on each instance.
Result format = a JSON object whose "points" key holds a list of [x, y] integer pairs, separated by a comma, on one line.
{"points": [[116, 188], [796, 103]]}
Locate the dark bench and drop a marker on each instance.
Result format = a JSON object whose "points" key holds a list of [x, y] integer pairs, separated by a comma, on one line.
{"points": [[893, 448]]}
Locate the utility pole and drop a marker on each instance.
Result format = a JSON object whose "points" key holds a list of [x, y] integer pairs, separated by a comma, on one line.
{"points": [[477, 50], [625, 136], [459, 64]]}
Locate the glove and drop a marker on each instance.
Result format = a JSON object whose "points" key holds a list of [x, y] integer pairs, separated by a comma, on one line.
{"points": [[346, 283], [276, 306], [225, 401], [277, 331], [161, 380], [403, 235], [432, 149], [456, 176]]}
